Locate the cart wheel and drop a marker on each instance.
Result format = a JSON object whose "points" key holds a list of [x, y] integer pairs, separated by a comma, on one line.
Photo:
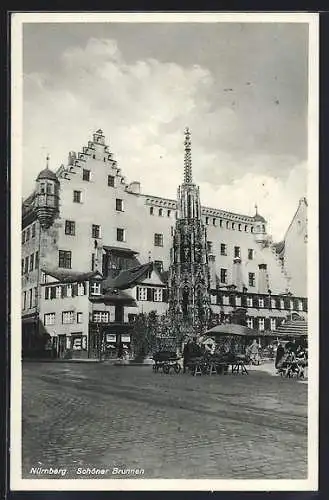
{"points": [[166, 369], [177, 368]]}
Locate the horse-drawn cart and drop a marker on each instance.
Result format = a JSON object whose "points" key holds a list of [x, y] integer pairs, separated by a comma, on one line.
{"points": [[166, 361]]}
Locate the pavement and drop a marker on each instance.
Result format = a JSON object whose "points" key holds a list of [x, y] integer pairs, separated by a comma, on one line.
{"points": [[127, 418]]}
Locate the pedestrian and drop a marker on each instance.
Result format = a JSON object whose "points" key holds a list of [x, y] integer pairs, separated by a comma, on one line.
{"points": [[253, 351], [279, 354], [186, 355]]}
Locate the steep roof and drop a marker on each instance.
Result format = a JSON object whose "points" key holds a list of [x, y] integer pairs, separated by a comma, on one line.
{"points": [[47, 174], [129, 278], [67, 276]]}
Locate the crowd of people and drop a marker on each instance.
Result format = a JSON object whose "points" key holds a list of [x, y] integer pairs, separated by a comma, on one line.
{"points": [[290, 357]]}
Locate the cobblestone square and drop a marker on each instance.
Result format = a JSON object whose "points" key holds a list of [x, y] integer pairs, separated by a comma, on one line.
{"points": [[79, 415]]}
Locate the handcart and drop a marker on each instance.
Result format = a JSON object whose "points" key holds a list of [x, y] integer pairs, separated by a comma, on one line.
{"points": [[166, 361]]}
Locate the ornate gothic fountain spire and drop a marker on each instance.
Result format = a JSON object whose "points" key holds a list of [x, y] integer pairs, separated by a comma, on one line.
{"points": [[187, 157], [189, 299]]}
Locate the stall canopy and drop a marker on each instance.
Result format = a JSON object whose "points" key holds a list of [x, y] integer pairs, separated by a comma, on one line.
{"points": [[232, 329], [294, 328]]}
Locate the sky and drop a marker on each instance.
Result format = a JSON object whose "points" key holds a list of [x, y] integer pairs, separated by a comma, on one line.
{"points": [[241, 88]]}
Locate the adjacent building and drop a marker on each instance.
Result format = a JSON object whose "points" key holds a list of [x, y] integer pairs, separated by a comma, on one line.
{"points": [[97, 251]]}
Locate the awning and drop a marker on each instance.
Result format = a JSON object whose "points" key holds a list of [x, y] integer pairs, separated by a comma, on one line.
{"points": [[115, 297], [232, 329], [119, 250], [293, 328]]}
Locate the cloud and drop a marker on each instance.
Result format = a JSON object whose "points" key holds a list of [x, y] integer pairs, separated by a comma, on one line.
{"points": [[144, 106]]}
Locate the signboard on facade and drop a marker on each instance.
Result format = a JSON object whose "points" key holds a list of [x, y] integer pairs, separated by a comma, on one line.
{"points": [[125, 338], [111, 337]]}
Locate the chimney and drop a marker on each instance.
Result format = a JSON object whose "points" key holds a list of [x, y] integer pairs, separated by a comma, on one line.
{"points": [[212, 271], [262, 279], [237, 274]]}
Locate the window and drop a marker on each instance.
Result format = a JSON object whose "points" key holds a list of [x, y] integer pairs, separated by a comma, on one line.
{"points": [[237, 252], [119, 205], [28, 234], [273, 303], [291, 305], [273, 324], [70, 227], [95, 288], [223, 275], [240, 227], [31, 262], [23, 237], [65, 259], [26, 267], [233, 225], [101, 316], [42, 188], [110, 180], [49, 188], [261, 324], [58, 292], [160, 212], [227, 225], [207, 221], [214, 222], [251, 279], [260, 302], [120, 234], [33, 231], [158, 295], [158, 240], [81, 289], [49, 319], [246, 228], [94, 157], [69, 291], [168, 213], [95, 231], [281, 304], [252, 229], [93, 262], [79, 317], [47, 293], [142, 293], [209, 246], [238, 301], [67, 317], [159, 265], [30, 298], [77, 196], [249, 302], [226, 300], [22, 266], [250, 323], [151, 210], [223, 249], [36, 260], [250, 254], [85, 175], [24, 300], [213, 299], [300, 305]]}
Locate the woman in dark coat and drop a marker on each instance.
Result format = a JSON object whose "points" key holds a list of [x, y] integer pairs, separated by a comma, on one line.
{"points": [[279, 354]]}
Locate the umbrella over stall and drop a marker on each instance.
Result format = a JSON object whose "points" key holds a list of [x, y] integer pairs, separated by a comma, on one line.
{"points": [[232, 329]]}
